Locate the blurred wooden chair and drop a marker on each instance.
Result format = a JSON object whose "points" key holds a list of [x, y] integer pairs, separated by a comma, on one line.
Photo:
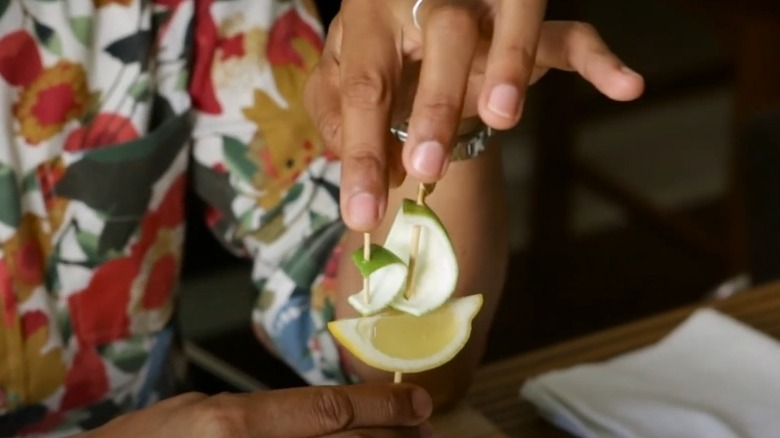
{"points": [[751, 35], [760, 159]]}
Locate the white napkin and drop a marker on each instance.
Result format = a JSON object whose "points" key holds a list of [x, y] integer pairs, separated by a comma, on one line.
{"points": [[713, 377]]}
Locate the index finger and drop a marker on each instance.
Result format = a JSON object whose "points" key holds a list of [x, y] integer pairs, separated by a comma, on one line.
{"points": [[511, 61], [370, 66], [316, 411], [451, 35]]}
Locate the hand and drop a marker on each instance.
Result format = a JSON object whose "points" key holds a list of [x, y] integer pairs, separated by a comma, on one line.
{"points": [[480, 56], [377, 410]]}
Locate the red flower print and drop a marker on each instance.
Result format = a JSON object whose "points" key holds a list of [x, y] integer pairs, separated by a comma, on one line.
{"points": [[20, 62], [86, 381], [332, 266], [285, 31], [168, 3], [32, 321], [173, 7], [161, 282], [202, 86], [213, 216], [220, 168], [7, 296], [232, 47], [58, 95], [24, 256], [49, 173], [29, 264], [100, 311], [105, 129], [170, 212]]}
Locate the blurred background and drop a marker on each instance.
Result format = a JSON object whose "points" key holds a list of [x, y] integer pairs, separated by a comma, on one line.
{"points": [[618, 210]]}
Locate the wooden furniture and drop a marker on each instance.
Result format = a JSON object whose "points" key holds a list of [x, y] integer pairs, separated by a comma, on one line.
{"points": [[496, 390], [750, 32], [465, 422]]}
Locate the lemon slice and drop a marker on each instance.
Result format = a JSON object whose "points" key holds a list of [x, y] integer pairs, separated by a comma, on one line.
{"points": [[387, 278], [436, 267], [398, 342]]}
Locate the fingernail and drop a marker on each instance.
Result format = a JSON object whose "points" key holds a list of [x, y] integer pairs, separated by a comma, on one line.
{"points": [[426, 430], [428, 159], [363, 210], [421, 403], [505, 101], [628, 71]]}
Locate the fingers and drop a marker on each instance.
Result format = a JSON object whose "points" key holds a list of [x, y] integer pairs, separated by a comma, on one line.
{"points": [[321, 92], [316, 411], [321, 95], [181, 400], [396, 171], [369, 66], [511, 61], [451, 34], [424, 431], [575, 46]]}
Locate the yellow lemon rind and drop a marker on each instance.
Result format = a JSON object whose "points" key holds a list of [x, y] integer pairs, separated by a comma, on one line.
{"points": [[345, 331]]}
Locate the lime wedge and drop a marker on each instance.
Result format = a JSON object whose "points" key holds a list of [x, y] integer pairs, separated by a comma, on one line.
{"points": [[386, 274], [436, 267]]}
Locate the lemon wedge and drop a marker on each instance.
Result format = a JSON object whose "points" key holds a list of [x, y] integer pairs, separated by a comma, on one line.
{"points": [[398, 342], [436, 267], [387, 279]]}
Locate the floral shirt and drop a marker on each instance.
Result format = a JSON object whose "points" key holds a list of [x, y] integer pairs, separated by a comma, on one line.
{"points": [[109, 109]]}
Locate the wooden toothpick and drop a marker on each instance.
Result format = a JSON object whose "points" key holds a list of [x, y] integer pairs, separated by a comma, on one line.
{"points": [[422, 192], [366, 256]]}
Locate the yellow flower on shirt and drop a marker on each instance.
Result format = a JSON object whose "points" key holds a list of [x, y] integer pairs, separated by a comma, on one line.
{"points": [[58, 95]]}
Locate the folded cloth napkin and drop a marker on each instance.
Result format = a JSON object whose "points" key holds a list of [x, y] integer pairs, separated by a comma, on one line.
{"points": [[713, 377]]}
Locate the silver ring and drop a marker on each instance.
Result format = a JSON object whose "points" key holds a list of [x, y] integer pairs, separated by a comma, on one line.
{"points": [[415, 10], [472, 138]]}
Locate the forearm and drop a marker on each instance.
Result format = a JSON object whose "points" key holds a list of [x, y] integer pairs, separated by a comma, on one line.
{"points": [[470, 202]]}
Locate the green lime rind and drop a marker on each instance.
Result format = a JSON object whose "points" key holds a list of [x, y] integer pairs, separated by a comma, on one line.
{"points": [[413, 211], [380, 257], [437, 268], [386, 285]]}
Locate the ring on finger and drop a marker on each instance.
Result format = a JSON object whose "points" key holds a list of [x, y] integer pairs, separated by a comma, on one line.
{"points": [[416, 12]]}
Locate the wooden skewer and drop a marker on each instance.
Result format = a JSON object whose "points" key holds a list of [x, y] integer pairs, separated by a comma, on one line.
{"points": [[366, 256], [422, 192]]}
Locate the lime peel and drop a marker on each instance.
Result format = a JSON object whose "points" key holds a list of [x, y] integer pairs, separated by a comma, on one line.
{"points": [[436, 265]]}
